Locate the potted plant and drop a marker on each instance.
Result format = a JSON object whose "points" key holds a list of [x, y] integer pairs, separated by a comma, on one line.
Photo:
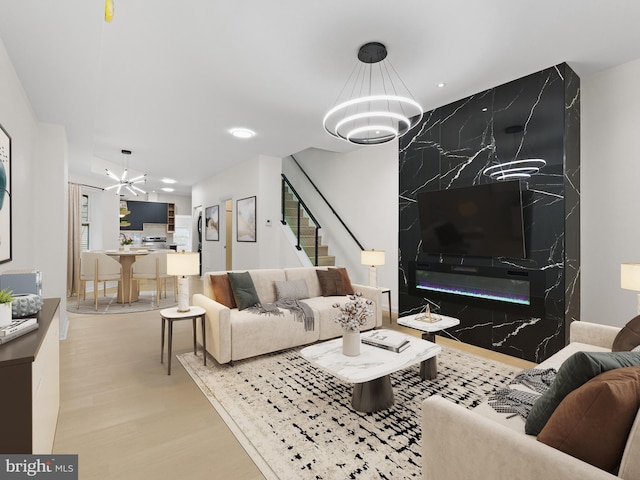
{"points": [[126, 241], [6, 297]]}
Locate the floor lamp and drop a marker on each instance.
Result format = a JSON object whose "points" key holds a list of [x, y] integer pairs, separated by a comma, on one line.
{"points": [[630, 278], [372, 258], [182, 265]]}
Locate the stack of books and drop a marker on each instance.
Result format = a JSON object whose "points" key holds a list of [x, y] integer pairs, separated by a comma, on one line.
{"points": [[17, 328], [387, 339]]}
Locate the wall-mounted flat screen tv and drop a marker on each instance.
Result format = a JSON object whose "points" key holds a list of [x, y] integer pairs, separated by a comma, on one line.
{"points": [[480, 220]]}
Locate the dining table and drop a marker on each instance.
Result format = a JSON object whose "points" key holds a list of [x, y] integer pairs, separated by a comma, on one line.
{"points": [[126, 259]]}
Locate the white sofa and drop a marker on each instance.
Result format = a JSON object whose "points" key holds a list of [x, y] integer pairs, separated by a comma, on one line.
{"points": [[460, 444], [234, 334]]}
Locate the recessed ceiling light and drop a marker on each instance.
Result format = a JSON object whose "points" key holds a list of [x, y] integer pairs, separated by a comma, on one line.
{"points": [[167, 189], [442, 84], [242, 132], [168, 180], [485, 109]]}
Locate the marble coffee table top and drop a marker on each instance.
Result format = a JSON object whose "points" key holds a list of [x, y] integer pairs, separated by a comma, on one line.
{"points": [[442, 322], [373, 362]]}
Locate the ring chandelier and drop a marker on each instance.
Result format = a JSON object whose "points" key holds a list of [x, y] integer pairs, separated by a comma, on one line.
{"points": [[123, 182], [515, 169], [381, 114]]}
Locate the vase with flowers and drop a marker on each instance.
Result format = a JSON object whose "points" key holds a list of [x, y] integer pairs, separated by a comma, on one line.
{"points": [[353, 314], [126, 241], [6, 297]]}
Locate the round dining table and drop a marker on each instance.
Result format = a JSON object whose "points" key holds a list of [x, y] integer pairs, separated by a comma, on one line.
{"points": [[126, 259]]}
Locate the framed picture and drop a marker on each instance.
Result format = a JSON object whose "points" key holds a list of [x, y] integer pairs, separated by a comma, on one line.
{"points": [[246, 219], [5, 196], [212, 222]]}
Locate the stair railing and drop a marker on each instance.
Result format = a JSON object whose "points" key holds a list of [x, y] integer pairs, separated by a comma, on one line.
{"points": [[300, 206], [328, 204]]}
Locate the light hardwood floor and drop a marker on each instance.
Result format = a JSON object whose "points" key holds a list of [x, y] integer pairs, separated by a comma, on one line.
{"points": [[127, 419]]}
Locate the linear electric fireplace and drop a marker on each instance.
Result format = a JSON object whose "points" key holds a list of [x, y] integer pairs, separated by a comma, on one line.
{"points": [[489, 288], [476, 285]]}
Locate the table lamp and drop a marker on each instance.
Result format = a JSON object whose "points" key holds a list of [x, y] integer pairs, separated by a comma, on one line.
{"points": [[182, 265], [372, 258], [630, 278]]}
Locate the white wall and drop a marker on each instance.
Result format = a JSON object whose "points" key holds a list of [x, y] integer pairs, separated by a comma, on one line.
{"points": [[259, 176], [39, 188], [610, 191], [182, 202], [362, 187]]}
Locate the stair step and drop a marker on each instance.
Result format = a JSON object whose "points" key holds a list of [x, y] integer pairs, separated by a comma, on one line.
{"points": [[323, 250], [292, 213], [326, 261], [292, 219], [304, 231], [309, 240]]}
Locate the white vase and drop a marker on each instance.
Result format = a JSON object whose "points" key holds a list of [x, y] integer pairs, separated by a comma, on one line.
{"points": [[127, 248], [5, 314], [351, 343]]}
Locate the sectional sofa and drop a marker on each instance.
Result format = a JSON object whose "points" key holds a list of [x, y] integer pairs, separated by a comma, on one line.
{"points": [[481, 443], [235, 333]]}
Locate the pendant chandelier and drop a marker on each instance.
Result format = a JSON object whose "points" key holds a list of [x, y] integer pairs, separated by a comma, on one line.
{"points": [[130, 185], [370, 110], [515, 169]]}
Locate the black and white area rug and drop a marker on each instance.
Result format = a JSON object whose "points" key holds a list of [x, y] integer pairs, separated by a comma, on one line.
{"points": [[296, 422], [108, 305]]}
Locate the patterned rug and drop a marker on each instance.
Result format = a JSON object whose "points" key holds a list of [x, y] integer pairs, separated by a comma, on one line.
{"points": [[296, 422], [109, 305]]}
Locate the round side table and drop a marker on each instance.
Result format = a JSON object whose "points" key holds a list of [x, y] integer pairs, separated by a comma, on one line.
{"points": [[171, 315]]}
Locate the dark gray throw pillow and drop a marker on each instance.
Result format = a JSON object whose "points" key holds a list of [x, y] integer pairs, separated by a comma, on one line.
{"points": [[578, 369], [244, 291]]}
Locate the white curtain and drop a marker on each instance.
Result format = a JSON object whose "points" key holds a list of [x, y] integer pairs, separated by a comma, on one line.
{"points": [[74, 237]]}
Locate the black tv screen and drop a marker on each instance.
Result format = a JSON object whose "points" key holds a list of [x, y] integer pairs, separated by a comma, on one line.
{"points": [[481, 220]]}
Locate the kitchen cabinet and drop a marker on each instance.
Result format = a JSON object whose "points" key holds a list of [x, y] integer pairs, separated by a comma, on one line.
{"points": [[30, 379], [145, 212], [171, 217]]}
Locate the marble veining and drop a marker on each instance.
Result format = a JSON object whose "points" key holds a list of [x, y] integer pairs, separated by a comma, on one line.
{"points": [[451, 148]]}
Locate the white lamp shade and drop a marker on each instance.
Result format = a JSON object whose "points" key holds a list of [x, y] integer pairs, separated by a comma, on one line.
{"points": [[183, 263], [630, 276], [372, 257]]}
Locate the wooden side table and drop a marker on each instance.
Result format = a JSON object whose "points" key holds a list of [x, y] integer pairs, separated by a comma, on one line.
{"points": [[172, 314]]}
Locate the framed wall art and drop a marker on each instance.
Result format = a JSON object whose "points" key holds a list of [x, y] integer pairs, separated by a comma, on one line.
{"points": [[5, 196], [212, 223], [246, 219]]}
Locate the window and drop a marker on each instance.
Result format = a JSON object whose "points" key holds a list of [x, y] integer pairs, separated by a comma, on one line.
{"points": [[84, 220]]}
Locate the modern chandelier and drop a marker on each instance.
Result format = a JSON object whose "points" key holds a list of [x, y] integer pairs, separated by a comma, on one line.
{"points": [[123, 181], [369, 109]]}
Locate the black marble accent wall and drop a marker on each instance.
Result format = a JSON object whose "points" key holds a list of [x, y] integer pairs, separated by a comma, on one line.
{"points": [[537, 116]]}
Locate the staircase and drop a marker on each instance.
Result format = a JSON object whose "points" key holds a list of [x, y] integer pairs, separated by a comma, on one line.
{"points": [[307, 231]]}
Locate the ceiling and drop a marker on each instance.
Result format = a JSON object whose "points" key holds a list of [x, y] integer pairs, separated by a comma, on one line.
{"points": [[168, 79]]}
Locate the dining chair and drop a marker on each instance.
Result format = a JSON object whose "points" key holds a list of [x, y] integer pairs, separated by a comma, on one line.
{"points": [[152, 267], [97, 267]]}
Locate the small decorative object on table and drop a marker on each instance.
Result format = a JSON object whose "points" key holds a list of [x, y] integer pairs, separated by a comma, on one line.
{"points": [[425, 316], [352, 316], [126, 241], [6, 297]]}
